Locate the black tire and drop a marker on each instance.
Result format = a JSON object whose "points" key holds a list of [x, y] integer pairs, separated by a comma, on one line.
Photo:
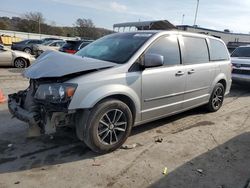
{"points": [[102, 134], [27, 50], [20, 63], [216, 98]]}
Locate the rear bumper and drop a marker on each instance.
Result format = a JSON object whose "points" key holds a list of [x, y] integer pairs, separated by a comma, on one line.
{"points": [[240, 77], [17, 111]]}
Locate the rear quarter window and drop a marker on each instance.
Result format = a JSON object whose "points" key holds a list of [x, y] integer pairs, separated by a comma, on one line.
{"points": [[195, 50], [218, 51]]}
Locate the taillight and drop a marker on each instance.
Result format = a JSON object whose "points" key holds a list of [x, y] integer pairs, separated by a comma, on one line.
{"points": [[70, 51]]}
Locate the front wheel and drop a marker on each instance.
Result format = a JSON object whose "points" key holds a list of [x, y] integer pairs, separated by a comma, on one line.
{"points": [[216, 99], [108, 126], [20, 63]]}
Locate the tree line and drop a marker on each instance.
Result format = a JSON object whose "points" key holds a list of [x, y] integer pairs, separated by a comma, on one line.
{"points": [[34, 22]]}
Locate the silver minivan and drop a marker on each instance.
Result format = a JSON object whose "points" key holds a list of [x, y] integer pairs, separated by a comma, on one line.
{"points": [[123, 80]]}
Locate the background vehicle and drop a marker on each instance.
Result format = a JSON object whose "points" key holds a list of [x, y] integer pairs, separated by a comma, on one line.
{"points": [[122, 80], [27, 45], [241, 64], [73, 46], [38, 49], [17, 59]]}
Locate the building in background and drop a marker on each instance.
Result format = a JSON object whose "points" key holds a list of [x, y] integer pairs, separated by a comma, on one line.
{"points": [[145, 25], [232, 40]]}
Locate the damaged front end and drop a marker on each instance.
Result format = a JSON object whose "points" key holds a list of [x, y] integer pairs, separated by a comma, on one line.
{"points": [[44, 105]]}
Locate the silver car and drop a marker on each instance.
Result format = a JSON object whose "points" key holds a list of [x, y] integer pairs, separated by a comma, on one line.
{"points": [[13, 58], [241, 64], [38, 49], [123, 80]]}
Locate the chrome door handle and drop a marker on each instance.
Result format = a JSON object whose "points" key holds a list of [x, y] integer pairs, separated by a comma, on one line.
{"points": [[191, 71], [179, 73]]}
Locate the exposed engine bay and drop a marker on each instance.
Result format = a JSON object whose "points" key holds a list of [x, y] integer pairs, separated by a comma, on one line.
{"points": [[41, 113]]}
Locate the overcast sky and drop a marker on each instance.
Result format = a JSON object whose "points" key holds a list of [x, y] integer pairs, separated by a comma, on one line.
{"points": [[214, 14]]}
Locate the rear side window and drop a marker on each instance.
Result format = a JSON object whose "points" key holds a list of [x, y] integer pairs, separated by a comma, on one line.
{"points": [[196, 50], [33, 42], [168, 47], [84, 44], [58, 44], [218, 51], [72, 45]]}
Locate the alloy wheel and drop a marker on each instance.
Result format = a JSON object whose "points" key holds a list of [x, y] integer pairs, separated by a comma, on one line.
{"points": [[217, 98], [112, 127], [20, 63]]}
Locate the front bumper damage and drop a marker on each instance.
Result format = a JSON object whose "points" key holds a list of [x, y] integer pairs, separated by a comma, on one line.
{"points": [[46, 117], [14, 104]]}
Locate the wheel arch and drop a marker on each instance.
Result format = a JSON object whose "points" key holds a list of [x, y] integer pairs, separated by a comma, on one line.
{"points": [[221, 78], [125, 99], [27, 48], [120, 92], [224, 83]]}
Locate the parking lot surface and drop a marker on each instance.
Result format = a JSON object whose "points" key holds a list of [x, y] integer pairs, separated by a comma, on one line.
{"points": [[198, 149]]}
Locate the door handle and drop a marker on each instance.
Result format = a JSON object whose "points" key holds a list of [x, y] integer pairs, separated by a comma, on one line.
{"points": [[191, 71], [179, 73]]}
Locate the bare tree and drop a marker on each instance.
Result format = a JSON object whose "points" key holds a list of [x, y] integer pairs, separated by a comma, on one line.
{"points": [[29, 23], [85, 28], [32, 22]]}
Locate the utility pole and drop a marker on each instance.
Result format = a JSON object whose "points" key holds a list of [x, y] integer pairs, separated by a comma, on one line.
{"points": [[182, 20], [196, 12], [39, 26]]}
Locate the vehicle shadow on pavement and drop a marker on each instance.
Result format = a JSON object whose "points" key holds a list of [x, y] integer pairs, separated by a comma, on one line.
{"points": [[224, 166], [237, 90], [19, 153]]}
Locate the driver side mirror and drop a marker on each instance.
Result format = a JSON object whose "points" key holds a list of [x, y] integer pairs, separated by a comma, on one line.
{"points": [[153, 60]]}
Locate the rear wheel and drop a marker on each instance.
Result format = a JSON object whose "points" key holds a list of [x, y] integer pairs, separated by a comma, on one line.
{"points": [[216, 99], [27, 50], [20, 63], [108, 126]]}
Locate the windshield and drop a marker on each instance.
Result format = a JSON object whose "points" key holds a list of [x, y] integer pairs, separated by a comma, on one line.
{"points": [[241, 52], [116, 48]]}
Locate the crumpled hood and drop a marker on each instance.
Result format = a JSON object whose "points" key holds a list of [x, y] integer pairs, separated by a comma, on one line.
{"points": [[236, 60], [57, 64]]}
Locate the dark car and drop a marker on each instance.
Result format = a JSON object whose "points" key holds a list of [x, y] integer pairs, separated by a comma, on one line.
{"points": [[27, 45], [73, 46]]}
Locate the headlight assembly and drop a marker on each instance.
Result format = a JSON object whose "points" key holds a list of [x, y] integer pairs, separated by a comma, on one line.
{"points": [[56, 93]]}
